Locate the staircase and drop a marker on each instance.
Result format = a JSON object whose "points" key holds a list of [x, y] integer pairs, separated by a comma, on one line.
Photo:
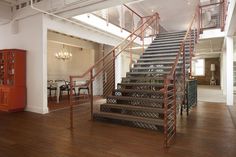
{"points": [[146, 98]]}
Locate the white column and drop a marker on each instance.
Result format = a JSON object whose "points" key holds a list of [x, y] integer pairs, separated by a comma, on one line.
{"points": [[118, 70], [229, 70]]}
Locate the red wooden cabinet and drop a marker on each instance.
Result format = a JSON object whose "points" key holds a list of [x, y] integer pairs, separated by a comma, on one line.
{"points": [[12, 80]]}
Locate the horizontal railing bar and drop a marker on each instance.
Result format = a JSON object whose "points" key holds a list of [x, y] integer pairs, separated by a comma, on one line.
{"points": [[206, 5]]}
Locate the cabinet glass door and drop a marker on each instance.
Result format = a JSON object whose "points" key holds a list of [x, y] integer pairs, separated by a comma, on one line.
{"points": [[10, 68], [1, 68]]}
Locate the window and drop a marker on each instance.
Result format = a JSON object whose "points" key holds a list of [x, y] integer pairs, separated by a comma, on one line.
{"points": [[198, 67]]}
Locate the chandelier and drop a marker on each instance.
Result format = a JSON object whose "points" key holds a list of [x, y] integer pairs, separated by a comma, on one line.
{"points": [[63, 54]]}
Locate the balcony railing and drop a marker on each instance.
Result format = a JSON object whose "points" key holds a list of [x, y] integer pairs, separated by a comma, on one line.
{"points": [[213, 15]]}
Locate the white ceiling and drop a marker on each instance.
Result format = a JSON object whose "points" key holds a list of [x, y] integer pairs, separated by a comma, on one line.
{"points": [[206, 48], [175, 14]]}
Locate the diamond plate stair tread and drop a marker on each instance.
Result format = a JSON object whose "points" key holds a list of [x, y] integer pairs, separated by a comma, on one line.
{"points": [[129, 118], [162, 51], [135, 98], [161, 58], [168, 42], [169, 39], [154, 68], [155, 63], [134, 108], [160, 55], [151, 73], [143, 78], [174, 32], [137, 91]]}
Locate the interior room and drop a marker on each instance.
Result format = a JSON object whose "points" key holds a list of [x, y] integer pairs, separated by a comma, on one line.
{"points": [[117, 78]]}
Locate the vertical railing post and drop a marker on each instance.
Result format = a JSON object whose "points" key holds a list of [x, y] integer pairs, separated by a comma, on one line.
{"points": [[198, 21], [174, 102], [165, 103], [113, 69], [91, 92], [184, 75], [190, 53], [201, 28], [71, 105], [142, 35]]}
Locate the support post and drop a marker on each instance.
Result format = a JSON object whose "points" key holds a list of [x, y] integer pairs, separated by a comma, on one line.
{"points": [[174, 102], [184, 75], [142, 36], [114, 69], [165, 112], [71, 105], [91, 93], [229, 70]]}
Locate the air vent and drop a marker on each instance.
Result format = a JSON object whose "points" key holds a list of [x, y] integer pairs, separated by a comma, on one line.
{"points": [[25, 4]]}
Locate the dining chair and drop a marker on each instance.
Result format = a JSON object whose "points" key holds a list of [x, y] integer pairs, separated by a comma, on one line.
{"points": [[51, 88], [66, 87]]}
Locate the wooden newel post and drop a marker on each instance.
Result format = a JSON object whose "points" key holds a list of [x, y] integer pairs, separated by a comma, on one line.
{"points": [[71, 105], [91, 92]]}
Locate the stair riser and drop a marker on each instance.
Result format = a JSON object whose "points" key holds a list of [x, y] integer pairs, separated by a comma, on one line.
{"points": [[169, 48], [161, 55], [174, 44], [130, 123], [136, 103], [154, 70], [164, 51], [187, 59], [138, 113], [171, 39]]}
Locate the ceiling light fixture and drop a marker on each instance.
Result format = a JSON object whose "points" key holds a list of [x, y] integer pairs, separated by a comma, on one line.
{"points": [[63, 54]]}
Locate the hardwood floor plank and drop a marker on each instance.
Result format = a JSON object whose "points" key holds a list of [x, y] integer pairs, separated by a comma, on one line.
{"points": [[207, 132]]}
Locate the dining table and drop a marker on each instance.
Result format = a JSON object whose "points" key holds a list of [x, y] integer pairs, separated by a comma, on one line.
{"points": [[58, 84]]}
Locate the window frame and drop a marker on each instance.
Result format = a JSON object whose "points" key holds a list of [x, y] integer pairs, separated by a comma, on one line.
{"points": [[194, 68]]}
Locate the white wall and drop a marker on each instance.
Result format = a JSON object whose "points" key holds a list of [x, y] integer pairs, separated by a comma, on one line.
{"points": [[80, 61], [29, 37]]}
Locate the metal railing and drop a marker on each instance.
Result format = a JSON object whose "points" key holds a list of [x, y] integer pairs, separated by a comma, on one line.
{"points": [[177, 77], [105, 67], [213, 15]]}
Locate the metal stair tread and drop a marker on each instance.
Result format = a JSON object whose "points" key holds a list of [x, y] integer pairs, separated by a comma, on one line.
{"points": [[142, 84], [143, 78], [133, 107], [136, 98], [147, 72], [159, 55], [129, 118], [161, 58], [137, 91], [152, 68], [163, 51], [155, 63]]}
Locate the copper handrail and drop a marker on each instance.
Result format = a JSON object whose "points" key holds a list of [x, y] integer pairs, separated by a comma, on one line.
{"points": [[103, 58], [132, 11], [170, 76], [129, 41]]}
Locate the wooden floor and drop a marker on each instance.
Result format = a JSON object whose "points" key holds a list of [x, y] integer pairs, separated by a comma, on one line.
{"points": [[208, 132]]}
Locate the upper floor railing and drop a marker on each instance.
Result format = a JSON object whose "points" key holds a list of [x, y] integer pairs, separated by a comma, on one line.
{"points": [[213, 15]]}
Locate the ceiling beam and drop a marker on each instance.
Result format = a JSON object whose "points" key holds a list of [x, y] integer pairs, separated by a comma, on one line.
{"points": [[10, 1], [81, 8]]}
